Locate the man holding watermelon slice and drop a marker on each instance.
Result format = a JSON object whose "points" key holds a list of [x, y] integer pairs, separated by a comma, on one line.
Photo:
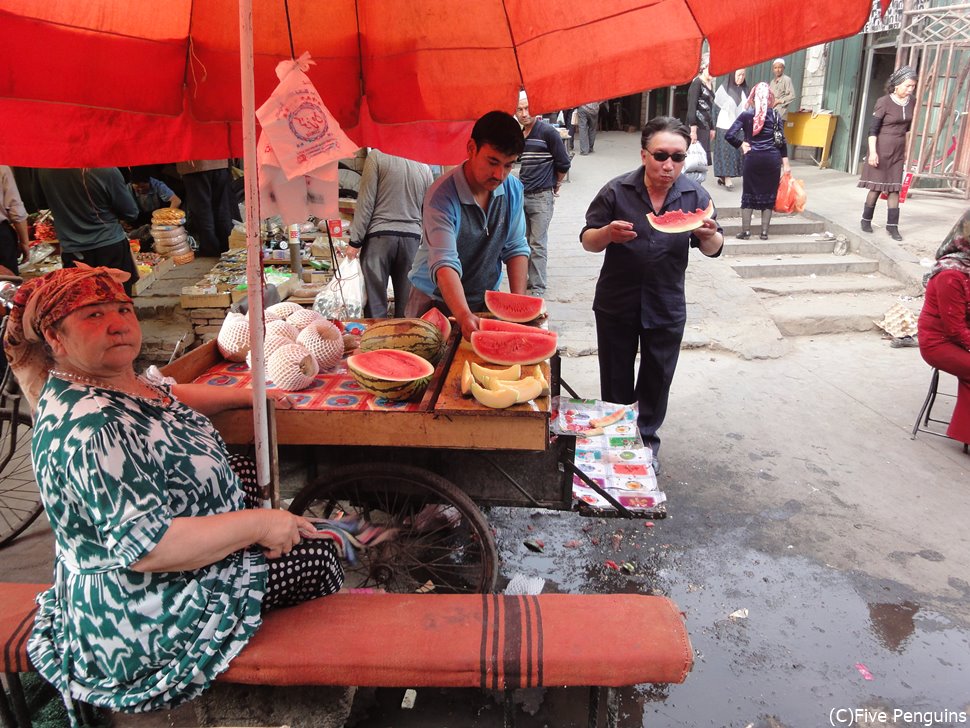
{"points": [[472, 224], [645, 222]]}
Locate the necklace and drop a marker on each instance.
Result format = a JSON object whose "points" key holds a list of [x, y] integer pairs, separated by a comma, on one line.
{"points": [[898, 101], [157, 395]]}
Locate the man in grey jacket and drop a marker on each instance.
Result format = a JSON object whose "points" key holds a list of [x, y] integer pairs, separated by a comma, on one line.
{"points": [[387, 227]]}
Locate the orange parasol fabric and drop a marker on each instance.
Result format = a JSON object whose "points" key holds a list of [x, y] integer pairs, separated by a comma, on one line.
{"points": [[108, 82]]}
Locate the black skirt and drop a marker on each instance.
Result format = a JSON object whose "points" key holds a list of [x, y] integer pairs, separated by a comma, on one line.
{"points": [[762, 173]]}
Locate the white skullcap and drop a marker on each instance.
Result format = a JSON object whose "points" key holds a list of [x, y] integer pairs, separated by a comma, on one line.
{"points": [[778, 60], [523, 96]]}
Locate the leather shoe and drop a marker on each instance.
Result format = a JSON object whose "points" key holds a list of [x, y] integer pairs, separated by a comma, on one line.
{"points": [[763, 236], [743, 235]]}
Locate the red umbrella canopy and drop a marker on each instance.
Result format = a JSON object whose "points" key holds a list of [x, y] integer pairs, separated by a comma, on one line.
{"points": [[106, 82]]}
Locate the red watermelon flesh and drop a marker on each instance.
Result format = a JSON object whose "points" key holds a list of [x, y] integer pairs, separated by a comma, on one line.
{"points": [[507, 348], [487, 324], [677, 221], [434, 316], [514, 306]]}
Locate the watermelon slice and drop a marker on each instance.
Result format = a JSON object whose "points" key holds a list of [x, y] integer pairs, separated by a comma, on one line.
{"points": [[514, 306], [677, 221], [487, 324], [437, 318], [506, 348]]}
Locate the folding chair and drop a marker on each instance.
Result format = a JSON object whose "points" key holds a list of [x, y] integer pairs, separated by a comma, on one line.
{"points": [[924, 418]]}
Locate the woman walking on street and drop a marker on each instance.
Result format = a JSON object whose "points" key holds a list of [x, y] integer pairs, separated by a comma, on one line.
{"points": [[759, 133], [731, 98], [883, 172], [700, 109]]}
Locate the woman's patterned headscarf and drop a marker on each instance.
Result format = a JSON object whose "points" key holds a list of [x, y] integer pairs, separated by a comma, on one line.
{"points": [[762, 100], [901, 75], [954, 253], [42, 302]]}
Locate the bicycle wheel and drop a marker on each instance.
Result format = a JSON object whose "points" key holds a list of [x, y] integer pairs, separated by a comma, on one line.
{"points": [[443, 544], [20, 502]]}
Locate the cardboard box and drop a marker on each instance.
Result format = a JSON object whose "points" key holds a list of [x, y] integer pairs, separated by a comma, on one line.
{"points": [[205, 300]]}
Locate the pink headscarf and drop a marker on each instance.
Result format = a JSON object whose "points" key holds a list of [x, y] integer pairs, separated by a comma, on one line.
{"points": [[762, 100], [42, 302]]}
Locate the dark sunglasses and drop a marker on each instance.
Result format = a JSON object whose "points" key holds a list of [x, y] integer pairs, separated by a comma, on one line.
{"points": [[664, 156]]}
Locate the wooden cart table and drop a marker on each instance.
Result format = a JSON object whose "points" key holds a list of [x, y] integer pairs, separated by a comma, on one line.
{"points": [[398, 464]]}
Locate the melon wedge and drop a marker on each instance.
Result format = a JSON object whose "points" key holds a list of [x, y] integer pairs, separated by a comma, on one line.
{"points": [[537, 373], [514, 306], [501, 347], [496, 400], [434, 316], [678, 221], [483, 374], [525, 389], [466, 380], [487, 324]]}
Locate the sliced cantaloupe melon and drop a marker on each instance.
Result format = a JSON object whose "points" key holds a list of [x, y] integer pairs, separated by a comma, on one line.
{"points": [[466, 380], [525, 389], [480, 373], [537, 373], [496, 400]]}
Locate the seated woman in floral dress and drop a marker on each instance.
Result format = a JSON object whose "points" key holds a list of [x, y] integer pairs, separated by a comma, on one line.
{"points": [[161, 571]]}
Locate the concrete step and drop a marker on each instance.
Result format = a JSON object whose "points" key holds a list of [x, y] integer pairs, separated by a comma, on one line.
{"points": [[778, 245], [824, 284], [780, 225], [831, 313], [152, 307], [801, 265]]}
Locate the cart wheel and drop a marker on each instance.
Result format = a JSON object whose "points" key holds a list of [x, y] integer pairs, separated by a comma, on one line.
{"points": [[20, 502], [444, 544]]}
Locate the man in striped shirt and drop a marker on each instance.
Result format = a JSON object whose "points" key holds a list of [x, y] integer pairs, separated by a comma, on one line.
{"points": [[544, 163]]}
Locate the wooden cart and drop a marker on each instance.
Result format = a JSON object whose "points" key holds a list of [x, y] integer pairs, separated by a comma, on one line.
{"points": [[422, 469]]}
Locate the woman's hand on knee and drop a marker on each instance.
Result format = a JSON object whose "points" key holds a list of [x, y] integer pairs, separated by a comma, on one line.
{"points": [[281, 531]]}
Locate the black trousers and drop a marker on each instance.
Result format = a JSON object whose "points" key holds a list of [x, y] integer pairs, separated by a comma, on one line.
{"points": [[618, 342], [116, 255], [208, 207], [9, 248]]}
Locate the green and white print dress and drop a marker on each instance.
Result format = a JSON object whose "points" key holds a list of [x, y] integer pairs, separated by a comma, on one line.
{"points": [[114, 470]]}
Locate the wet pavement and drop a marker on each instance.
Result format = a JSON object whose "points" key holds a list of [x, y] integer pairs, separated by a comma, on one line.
{"points": [[796, 494]]}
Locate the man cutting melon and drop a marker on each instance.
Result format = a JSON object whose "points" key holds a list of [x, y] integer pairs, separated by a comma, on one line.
{"points": [[472, 224], [646, 221]]}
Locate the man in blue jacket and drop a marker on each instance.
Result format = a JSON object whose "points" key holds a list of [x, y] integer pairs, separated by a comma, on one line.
{"points": [[472, 224]]}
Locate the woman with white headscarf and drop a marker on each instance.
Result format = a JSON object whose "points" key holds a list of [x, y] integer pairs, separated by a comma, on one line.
{"points": [[759, 133], [731, 98]]}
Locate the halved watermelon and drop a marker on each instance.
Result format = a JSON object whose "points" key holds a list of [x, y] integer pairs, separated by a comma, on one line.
{"points": [[514, 306], [487, 324], [502, 347], [437, 318], [391, 373], [677, 221]]}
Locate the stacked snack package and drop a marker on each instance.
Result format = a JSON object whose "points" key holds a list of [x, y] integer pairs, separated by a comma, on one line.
{"points": [[171, 240]]}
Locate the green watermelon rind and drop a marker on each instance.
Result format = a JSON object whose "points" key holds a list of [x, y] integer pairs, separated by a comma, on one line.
{"points": [[500, 347], [415, 335], [686, 221], [394, 388]]}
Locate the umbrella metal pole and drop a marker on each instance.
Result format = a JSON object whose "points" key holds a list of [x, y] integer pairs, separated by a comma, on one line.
{"points": [[254, 263]]}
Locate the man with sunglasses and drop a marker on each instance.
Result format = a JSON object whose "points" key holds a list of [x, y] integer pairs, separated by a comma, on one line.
{"points": [[639, 301]]}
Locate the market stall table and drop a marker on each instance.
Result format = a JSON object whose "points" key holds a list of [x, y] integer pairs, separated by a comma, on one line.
{"points": [[398, 463]]}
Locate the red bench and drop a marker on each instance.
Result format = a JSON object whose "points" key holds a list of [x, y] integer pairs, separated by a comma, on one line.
{"points": [[488, 641]]}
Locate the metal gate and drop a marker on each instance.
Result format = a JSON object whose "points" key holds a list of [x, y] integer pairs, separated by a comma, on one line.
{"points": [[936, 41]]}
